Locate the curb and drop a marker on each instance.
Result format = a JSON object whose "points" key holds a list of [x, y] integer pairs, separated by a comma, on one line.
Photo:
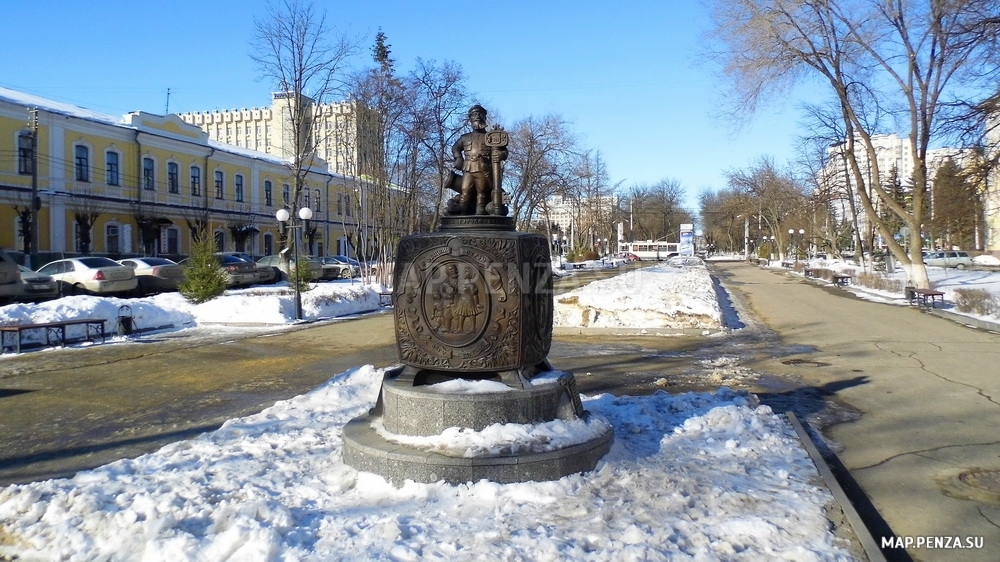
{"points": [[665, 332], [857, 525]]}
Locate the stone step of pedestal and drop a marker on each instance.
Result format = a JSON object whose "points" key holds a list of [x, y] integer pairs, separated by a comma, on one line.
{"points": [[366, 450], [429, 410]]}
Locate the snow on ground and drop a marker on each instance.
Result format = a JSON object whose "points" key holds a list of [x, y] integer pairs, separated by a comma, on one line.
{"points": [[697, 476], [677, 294], [694, 476]]}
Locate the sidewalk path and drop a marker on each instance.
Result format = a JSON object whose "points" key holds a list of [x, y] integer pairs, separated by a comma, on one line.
{"points": [[926, 448]]}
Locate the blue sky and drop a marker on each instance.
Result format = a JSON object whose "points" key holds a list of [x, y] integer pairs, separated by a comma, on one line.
{"points": [[627, 77]]}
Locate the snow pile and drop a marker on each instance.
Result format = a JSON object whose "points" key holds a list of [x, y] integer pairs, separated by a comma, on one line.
{"points": [[262, 306], [675, 295], [699, 476]]}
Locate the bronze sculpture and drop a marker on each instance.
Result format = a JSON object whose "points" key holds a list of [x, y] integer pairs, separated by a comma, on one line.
{"points": [[472, 300], [479, 155]]}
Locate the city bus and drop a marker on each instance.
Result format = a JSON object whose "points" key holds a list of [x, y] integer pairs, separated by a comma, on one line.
{"points": [[650, 250]]}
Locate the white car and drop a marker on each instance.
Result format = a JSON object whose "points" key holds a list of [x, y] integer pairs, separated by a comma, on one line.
{"points": [[949, 258], [91, 274]]}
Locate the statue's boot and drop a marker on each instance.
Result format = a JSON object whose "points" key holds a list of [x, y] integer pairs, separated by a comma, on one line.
{"points": [[481, 202], [465, 203]]}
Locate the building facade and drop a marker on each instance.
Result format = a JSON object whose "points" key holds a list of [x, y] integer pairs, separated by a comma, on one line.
{"points": [[893, 153], [143, 184], [338, 130]]}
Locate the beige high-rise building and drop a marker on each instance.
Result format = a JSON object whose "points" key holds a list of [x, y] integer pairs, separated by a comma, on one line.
{"points": [[337, 131]]}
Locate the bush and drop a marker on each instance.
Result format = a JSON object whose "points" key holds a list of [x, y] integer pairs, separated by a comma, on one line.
{"points": [[976, 301], [879, 282], [203, 279]]}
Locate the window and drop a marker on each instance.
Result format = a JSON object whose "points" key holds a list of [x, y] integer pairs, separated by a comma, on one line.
{"points": [[220, 241], [82, 163], [316, 202], [173, 181], [24, 154], [268, 196], [111, 169], [347, 203], [111, 239], [238, 180], [195, 181], [268, 244], [148, 178], [219, 189], [340, 203], [286, 194], [173, 244]]}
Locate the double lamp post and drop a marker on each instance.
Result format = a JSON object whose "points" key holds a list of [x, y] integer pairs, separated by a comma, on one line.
{"points": [[283, 216]]}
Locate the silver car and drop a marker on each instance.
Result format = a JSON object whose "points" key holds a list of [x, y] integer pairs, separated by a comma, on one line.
{"points": [[948, 258], [35, 287], [91, 275]]}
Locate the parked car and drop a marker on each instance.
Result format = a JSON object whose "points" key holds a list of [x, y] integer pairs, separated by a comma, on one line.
{"points": [[155, 275], [949, 258], [9, 278], [265, 275], [238, 273], [340, 267], [315, 269], [91, 274], [35, 287]]}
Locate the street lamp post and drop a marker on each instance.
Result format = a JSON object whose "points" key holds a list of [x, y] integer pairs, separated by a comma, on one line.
{"points": [[283, 216], [795, 246]]}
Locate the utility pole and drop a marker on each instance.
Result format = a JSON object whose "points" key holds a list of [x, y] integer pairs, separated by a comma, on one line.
{"points": [[31, 135]]}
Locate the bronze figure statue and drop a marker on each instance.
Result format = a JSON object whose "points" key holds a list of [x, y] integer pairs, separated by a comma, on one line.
{"points": [[479, 155]]}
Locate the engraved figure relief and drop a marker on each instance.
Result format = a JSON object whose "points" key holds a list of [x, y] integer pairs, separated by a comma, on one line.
{"points": [[454, 304]]}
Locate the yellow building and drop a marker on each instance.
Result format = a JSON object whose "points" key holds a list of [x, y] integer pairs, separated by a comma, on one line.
{"points": [[142, 184]]}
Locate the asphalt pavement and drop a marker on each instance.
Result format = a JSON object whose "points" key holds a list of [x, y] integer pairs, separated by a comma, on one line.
{"points": [[921, 457]]}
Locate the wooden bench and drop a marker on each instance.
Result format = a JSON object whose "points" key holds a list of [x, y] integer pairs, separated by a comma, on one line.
{"points": [[55, 332], [385, 299], [808, 272], [787, 264], [842, 279], [924, 297]]}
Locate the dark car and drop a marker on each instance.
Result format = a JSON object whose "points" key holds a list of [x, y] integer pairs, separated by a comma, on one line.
{"points": [[238, 273], [155, 275]]}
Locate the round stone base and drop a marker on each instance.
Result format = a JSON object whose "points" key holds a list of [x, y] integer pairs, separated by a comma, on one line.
{"points": [[366, 450], [421, 410]]}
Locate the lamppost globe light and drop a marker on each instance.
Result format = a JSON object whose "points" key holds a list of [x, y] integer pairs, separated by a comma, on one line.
{"points": [[282, 215], [305, 213], [802, 231], [791, 231]]}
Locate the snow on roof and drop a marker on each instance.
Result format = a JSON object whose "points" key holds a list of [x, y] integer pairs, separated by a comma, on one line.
{"points": [[29, 100]]}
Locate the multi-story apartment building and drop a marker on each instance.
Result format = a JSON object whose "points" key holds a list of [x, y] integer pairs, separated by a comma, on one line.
{"points": [[892, 153], [338, 131], [143, 183]]}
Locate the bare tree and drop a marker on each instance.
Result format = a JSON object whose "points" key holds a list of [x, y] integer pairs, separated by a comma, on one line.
{"points": [[911, 61], [242, 224], [86, 209], [775, 195], [21, 202], [442, 104], [542, 151], [291, 49]]}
